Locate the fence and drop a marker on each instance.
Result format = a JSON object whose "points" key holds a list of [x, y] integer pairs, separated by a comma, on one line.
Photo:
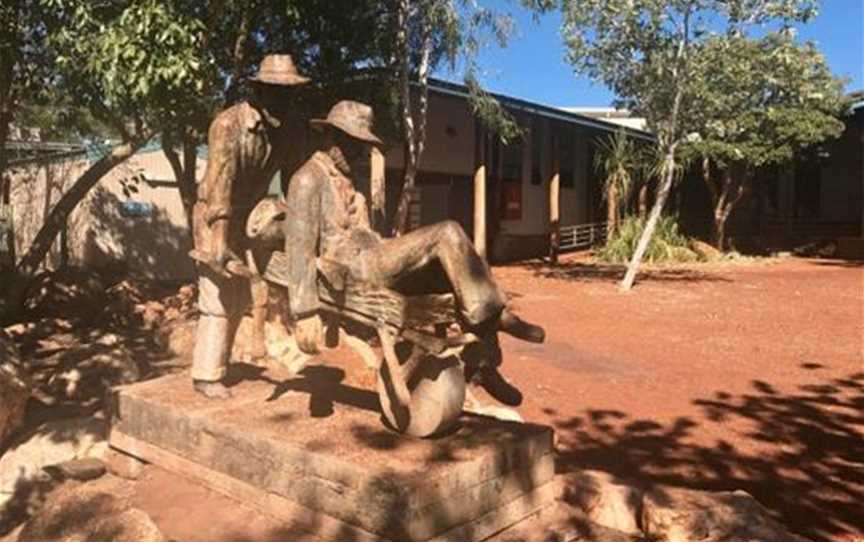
{"points": [[582, 236]]}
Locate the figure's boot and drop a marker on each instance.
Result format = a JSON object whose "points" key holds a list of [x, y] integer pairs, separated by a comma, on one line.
{"points": [[212, 390], [511, 324], [481, 367]]}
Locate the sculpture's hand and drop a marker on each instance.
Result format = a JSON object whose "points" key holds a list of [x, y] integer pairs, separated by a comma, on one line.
{"points": [[310, 334], [219, 261]]}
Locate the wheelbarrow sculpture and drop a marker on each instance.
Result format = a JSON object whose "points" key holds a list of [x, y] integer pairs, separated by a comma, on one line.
{"points": [[427, 289]]}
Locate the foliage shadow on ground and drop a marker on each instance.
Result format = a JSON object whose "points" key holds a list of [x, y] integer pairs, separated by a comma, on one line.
{"points": [[812, 478]]}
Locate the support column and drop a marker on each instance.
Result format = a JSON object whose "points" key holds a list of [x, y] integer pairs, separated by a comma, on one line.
{"points": [[480, 194], [555, 199], [377, 189]]}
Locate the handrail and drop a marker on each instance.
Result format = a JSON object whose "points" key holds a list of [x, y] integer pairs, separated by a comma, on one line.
{"points": [[582, 235]]}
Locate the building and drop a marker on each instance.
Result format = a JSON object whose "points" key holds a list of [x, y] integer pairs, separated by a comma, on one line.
{"points": [[523, 190]]}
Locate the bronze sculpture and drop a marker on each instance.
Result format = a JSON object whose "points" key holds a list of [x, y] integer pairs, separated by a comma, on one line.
{"points": [[248, 143], [328, 220]]}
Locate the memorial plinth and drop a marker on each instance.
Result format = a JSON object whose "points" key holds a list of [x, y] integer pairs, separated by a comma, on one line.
{"points": [[313, 451]]}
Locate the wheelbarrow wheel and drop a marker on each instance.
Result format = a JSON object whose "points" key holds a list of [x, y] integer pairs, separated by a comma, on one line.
{"points": [[437, 389]]}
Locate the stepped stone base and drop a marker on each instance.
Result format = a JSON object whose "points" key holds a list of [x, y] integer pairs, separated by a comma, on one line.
{"points": [[315, 453]]}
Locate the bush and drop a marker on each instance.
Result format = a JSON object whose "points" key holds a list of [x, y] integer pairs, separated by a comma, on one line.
{"points": [[667, 244]]}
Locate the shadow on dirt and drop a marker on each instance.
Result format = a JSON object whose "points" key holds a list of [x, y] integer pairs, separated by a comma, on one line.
{"points": [[812, 477], [584, 271]]}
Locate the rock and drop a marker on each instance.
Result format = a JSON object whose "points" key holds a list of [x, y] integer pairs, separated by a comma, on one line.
{"points": [[15, 388], [683, 515], [88, 468], [704, 250], [178, 338], [77, 512], [604, 499], [21, 467], [67, 293], [89, 371], [123, 465]]}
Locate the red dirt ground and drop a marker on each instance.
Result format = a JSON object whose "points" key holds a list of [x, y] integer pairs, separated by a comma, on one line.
{"points": [[724, 376], [742, 375]]}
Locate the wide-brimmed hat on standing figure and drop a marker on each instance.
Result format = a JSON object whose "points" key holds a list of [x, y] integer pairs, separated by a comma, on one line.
{"points": [[278, 70]]}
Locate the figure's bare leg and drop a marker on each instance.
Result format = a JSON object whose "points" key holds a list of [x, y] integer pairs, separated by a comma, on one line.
{"points": [[400, 258]]}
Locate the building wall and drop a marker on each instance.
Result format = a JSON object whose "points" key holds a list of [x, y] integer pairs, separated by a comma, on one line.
{"points": [[449, 138], [134, 215]]}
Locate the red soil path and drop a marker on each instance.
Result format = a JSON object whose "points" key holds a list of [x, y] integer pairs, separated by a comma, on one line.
{"points": [[726, 376]]}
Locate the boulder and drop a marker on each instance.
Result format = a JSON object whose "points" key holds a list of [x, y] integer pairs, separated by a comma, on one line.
{"points": [[88, 468], [76, 512], [178, 338], [22, 467], [15, 388], [605, 500], [123, 465], [68, 293], [704, 250], [683, 515], [88, 371]]}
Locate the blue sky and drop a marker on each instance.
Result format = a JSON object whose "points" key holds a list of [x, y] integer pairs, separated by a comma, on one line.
{"points": [[533, 67]]}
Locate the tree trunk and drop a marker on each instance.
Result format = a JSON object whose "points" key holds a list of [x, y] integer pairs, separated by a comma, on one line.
{"points": [[719, 232], [377, 190], [669, 142], [238, 57], [643, 200], [56, 220], [730, 193], [611, 210], [400, 221], [184, 172], [656, 210]]}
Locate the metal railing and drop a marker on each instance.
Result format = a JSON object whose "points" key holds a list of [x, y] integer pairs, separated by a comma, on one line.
{"points": [[582, 236]]}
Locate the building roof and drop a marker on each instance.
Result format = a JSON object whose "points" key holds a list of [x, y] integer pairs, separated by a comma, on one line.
{"points": [[857, 98], [23, 151], [445, 87]]}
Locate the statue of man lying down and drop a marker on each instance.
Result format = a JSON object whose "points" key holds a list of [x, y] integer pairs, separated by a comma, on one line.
{"points": [[325, 216]]}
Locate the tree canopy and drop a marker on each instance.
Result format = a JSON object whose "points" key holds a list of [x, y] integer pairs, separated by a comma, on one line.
{"points": [[763, 101], [648, 52]]}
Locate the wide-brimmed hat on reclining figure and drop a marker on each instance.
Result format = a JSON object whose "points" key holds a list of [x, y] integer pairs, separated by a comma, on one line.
{"points": [[354, 118]]}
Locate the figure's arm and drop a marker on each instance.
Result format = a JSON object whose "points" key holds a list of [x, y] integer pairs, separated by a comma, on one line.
{"points": [[301, 243], [216, 187]]}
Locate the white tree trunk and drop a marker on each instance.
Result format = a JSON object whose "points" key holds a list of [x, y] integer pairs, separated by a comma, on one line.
{"points": [[653, 217]]}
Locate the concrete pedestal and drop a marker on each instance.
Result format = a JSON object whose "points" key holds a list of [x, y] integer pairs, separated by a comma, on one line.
{"points": [[313, 452]]}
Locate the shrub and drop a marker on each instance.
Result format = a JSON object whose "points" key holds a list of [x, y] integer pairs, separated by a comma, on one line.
{"points": [[666, 245]]}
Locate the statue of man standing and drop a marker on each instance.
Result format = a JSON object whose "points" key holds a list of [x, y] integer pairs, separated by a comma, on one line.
{"points": [[248, 143]]}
